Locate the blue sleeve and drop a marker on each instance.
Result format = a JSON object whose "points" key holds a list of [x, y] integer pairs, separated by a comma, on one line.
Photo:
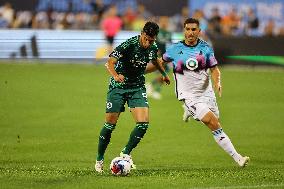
{"points": [[211, 60], [168, 55]]}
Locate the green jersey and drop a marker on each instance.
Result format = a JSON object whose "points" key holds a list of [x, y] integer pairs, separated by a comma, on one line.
{"points": [[132, 62], [163, 39]]}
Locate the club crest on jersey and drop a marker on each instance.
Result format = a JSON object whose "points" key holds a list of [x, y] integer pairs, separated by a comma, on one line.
{"points": [[191, 64], [109, 105]]}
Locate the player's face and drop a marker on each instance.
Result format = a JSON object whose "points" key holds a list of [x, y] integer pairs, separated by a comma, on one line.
{"points": [[191, 33], [146, 41]]}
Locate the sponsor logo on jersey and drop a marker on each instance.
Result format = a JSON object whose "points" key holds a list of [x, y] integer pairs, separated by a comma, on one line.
{"points": [[138, 61], [191, 64]]}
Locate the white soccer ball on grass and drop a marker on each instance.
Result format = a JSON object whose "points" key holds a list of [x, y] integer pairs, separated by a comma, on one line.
{"points": [[120, 166]]}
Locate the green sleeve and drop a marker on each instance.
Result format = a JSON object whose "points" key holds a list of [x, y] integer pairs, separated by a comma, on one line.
{"points": [[153, 55], [120, 50]]}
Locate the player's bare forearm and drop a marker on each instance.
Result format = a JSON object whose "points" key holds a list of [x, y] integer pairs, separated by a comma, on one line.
{"points": [[150, 68], [216, 77], [159, 65], [110, 68], [155, 65]]}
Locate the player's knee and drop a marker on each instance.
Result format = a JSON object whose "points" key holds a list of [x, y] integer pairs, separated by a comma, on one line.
{"points": [[111, 118], [109, 126], [214, 124], [142, 125]]}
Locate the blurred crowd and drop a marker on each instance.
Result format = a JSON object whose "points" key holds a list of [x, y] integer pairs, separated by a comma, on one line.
{"points": [[132, 17]]}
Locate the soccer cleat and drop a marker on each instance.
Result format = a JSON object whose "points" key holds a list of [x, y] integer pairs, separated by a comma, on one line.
{"points": [[128, 158], [243, 161], [186, 115], [156, 95], [151, 93], [99, 166], [149, 89]]}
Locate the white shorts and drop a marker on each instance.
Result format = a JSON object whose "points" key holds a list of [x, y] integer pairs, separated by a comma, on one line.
{"points": [[199, 108]]}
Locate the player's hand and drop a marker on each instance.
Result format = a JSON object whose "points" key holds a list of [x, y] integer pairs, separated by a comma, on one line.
{"points": [[167, 80], [119, 78]]}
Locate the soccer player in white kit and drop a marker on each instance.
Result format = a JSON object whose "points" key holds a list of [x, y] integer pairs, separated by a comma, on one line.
{"points": [[192, 59]]}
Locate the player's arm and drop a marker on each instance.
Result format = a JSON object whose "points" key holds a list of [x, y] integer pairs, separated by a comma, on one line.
{"points": [[110, 68], [152, 67], [216, 77], [157, 64], [114, 56]]}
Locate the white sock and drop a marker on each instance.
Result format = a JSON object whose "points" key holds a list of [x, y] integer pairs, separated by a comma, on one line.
{"points": [[224, 142]]}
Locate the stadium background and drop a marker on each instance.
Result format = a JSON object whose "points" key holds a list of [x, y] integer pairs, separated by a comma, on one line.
{"points": [[38, 29], [53, 85]]}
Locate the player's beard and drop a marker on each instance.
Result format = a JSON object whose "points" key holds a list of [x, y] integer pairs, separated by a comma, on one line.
{"points": [[191, 39]]}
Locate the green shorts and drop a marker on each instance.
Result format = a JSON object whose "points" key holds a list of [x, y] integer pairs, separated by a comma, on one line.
{"points": [[116, 99]]}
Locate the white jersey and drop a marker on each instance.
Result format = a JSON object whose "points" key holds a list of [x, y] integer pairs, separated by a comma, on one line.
{"points": [[193, 85], [191, 69]]}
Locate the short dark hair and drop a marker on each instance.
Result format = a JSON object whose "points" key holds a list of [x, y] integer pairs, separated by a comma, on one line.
{"points": [[151, 29], [191, 21]]}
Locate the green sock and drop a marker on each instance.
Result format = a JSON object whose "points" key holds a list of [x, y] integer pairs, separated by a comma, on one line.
{"points": [[135, 136], [104, 139], [157, 86]]}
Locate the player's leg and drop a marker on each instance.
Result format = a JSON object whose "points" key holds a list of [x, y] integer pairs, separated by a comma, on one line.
{"points": [[222, 139], [105, 134], [154, 88], [157, 84], [138, 104], [149, 89], [141, 117], [110, 40], [157, 87], [104, 138], [186, 115], [114, 105], [208, 114]]}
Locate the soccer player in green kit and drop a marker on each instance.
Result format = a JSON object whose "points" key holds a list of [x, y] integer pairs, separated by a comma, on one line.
{"points": [[126, 65]]}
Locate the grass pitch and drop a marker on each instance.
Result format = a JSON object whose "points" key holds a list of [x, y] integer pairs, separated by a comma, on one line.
{"points": [[51, 115]]}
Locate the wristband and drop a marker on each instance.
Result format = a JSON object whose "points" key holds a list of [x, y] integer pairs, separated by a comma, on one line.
{"points": [[164, 74]]}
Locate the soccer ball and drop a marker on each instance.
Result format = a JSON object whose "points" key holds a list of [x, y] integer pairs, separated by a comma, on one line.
{"points": [[120, 166]]}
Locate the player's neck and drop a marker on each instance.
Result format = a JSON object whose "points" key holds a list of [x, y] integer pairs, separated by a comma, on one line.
{"points": [[193, 43]]}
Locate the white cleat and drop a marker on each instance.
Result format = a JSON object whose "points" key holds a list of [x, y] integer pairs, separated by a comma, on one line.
{"points": [[99, 166], [128, 158], [151, 93], [243, 161], [186, 115], [149, 89], [156, 95]]}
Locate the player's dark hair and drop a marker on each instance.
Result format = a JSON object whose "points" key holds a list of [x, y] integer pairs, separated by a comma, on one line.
{"points": [[191, 21], [151, 29]]}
